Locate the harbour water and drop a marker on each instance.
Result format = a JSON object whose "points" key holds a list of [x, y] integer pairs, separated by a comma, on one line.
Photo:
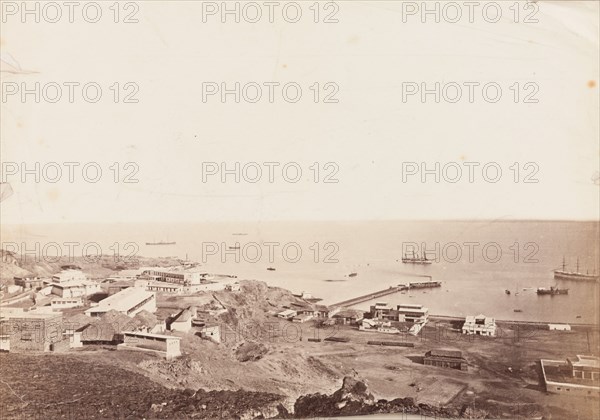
{"points": [[519, 257]]}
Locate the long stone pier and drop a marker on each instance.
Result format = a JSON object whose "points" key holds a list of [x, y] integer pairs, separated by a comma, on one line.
{"points": [[374, 295]]}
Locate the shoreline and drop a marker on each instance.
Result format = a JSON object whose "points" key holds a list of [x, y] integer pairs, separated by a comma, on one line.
{"points": [[513, 322]]}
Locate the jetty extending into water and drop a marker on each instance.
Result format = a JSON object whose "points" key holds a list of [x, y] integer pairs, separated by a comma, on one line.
{"points": [[369, 296], [388, 291]]}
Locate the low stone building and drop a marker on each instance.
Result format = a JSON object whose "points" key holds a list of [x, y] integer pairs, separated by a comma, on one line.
{"points": [[166, 345], [31, 331], [211, 332], [578, 375], [445, 358], [29, 282]]}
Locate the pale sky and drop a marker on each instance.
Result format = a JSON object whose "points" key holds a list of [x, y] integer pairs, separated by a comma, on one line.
{"points": [[367, 135]]}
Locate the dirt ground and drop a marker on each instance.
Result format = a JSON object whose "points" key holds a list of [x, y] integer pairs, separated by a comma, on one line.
{"points": [[261, 353]]}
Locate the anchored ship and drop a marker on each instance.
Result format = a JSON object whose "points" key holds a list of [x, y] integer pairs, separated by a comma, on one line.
{"points": [[416, 259], [563, 274], [424, 284], [552, 291]]}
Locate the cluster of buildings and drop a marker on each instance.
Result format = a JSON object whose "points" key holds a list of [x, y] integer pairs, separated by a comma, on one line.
{"points": [[172, 280], [126, 317], [303, 312], [386, 318], [191, 318], [71, 282]]}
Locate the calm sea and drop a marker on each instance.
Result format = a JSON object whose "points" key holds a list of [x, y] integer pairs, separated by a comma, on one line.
{"points": [[476, 261]]}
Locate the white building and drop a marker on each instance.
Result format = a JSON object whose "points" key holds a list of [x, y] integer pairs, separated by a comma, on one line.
{"points": [[211, 332], [166, 345], [183, 321], [479, 325], [287, 314], [68, 276], [188, 277], [416, 314], [75, 288], [559, 327], [66, 302], [130, 302]]}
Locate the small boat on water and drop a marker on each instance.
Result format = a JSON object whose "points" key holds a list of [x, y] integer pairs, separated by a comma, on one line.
{"points": [[161, 243], [517, 310], [352, 274], [270, 269], [233, 247], [507, 292], [552, 291], [578, 316]]}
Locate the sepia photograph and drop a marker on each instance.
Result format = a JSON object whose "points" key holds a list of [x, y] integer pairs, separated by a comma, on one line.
{"points": [[310, 209]]}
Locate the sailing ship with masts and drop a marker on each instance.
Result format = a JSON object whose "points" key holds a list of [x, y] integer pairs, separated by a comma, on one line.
{"points": [[416, 259], [563, 274]]}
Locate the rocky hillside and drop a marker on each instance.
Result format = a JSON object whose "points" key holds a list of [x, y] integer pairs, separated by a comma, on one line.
{"points": [[354, 398]]}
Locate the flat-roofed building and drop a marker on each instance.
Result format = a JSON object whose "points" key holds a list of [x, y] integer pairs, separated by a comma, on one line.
{"points": [[302, 318], [232, 287], [287, 314], [68, 275], [349, 316], [31, 331], [578, 375], [479, 325], [75, 288], [129, 302], [29, 282], [186, 277], [411, 313], [559, 327], [211, 332], [417, 314], [165, 345], [66, 302]]}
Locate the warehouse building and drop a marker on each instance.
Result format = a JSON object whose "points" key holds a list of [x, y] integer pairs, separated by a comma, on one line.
{"points": [[130, 302]]}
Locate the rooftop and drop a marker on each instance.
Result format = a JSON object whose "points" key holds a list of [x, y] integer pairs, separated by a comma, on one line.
{"points": [[123, 300], [447, 353], [19, 313], [74, 283], [184, 315], [585, 361], [159, 336], [558, 371], [286, 312]]}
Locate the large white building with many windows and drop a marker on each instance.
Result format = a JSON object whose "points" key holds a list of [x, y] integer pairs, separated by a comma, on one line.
{"points": [[479, 325]]}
